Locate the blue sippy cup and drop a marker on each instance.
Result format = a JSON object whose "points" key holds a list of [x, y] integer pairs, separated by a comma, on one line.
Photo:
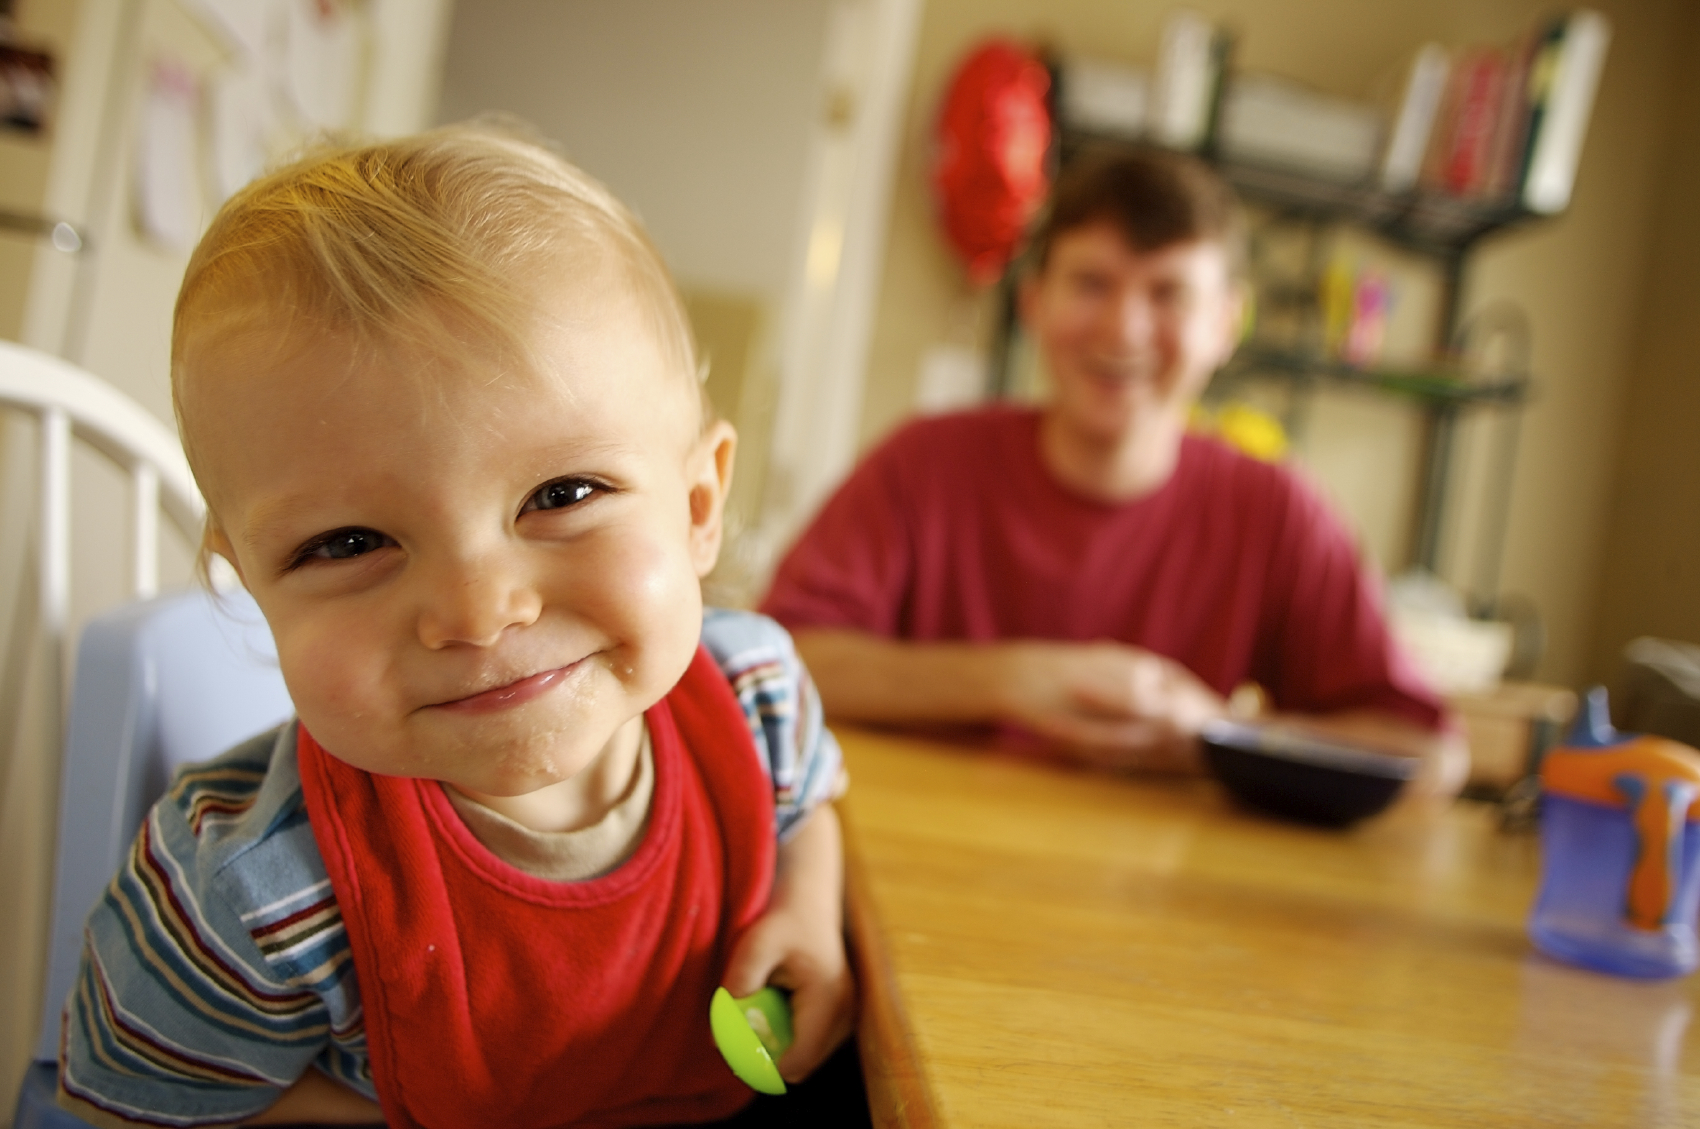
{"points": [[1620, 847]]}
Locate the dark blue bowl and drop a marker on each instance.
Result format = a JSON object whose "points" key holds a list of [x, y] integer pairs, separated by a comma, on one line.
{"points": [[1329, 783]]}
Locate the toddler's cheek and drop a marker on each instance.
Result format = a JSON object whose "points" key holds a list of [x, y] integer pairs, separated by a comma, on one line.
{"points": [[648, 595], [332, 679]]}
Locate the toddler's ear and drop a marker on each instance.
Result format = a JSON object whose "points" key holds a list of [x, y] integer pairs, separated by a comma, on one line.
{"points": [[710, 480]]}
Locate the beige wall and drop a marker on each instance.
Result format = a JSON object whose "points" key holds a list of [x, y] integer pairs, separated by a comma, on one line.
{"points": [[696, 114], [1579, 277], [1650, 579], [24, 163]]}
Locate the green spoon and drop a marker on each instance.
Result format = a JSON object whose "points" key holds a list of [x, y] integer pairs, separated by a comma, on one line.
{"points": [[752, 1032]]}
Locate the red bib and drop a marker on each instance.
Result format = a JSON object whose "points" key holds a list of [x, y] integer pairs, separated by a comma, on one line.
{"points": [[493, 998]]}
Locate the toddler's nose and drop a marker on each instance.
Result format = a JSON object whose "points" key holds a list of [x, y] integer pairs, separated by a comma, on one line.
{"points": [[474, 602]]}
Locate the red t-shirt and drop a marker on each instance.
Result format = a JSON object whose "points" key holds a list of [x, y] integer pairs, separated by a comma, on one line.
{"points": [[953, 530]]}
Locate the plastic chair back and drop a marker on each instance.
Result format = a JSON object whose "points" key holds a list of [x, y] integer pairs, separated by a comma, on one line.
{"points": [[159, 683], [68, 404]]}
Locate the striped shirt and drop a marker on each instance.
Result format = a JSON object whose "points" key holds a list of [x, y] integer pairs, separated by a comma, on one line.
{"points": [[216, 970]]}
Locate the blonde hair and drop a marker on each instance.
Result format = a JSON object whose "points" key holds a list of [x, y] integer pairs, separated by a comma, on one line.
{"points": [[433, 242]]}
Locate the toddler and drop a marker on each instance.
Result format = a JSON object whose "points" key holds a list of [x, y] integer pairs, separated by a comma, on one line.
{"points": [[442, 400]]}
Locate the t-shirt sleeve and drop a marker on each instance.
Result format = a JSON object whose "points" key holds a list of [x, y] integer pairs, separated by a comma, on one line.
{"points": [[852, 566], [1327, 645], [782, 709], [178, 1017]]}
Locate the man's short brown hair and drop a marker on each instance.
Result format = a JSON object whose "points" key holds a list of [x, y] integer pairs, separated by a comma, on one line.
{"points": [[1155, 198]]}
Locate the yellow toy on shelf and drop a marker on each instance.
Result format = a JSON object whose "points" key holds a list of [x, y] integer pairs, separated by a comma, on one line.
{"points": [[1244, 427]]}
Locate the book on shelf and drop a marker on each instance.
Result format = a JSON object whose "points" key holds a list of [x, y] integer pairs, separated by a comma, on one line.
{"points": [[1508, 122], [1494, 125], [1272, 121], [1413, 120], [1103, 96], [1511, 130], [1192, 59], [1459, 154], [1563, 78]]}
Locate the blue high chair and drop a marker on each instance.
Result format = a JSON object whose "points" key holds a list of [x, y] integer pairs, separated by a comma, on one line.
{"points": [[159, 683]]}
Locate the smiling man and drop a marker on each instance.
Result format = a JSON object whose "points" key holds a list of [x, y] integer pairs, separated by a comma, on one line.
{"points": [[1086, 573]]}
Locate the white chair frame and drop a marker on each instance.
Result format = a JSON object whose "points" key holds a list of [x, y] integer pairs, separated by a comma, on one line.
{"points": [[68, 402]]}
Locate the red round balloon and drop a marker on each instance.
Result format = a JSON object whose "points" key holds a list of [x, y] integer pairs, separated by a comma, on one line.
{"points": [[989, 173]]}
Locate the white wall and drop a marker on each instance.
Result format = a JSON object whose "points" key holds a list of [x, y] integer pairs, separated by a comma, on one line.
{"points": [[695, 112]]}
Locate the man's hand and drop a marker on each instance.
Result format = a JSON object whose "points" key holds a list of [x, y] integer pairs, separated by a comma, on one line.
{"points": [[798, 945], [1108, 704]]}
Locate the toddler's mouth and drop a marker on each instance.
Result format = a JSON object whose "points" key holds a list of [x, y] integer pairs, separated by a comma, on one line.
{"points": [[512, 694]]}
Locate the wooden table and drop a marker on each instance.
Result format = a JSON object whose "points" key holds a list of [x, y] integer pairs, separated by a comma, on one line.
{"points": [[1041, 947]]}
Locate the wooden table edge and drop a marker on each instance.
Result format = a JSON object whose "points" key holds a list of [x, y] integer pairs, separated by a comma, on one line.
{"points": [[898, 1094]]}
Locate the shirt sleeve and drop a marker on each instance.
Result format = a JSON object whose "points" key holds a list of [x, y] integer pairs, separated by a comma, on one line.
{"points": [[782, 709], [852, 567], [1329, 646], [180, 1016]]}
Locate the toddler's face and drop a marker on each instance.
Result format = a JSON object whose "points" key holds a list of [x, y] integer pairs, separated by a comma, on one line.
{"points": [[472, 577]]}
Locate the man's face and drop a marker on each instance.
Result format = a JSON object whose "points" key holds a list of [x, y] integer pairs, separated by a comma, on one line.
{"points": [[1129, 338], [472, 575]]}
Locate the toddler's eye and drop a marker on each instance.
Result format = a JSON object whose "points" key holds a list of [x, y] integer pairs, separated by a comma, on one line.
{"points": [[560, 494], [341, 545]]}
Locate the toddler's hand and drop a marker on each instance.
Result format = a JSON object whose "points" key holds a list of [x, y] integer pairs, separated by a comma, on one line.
{"points": [[798, 945]]}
